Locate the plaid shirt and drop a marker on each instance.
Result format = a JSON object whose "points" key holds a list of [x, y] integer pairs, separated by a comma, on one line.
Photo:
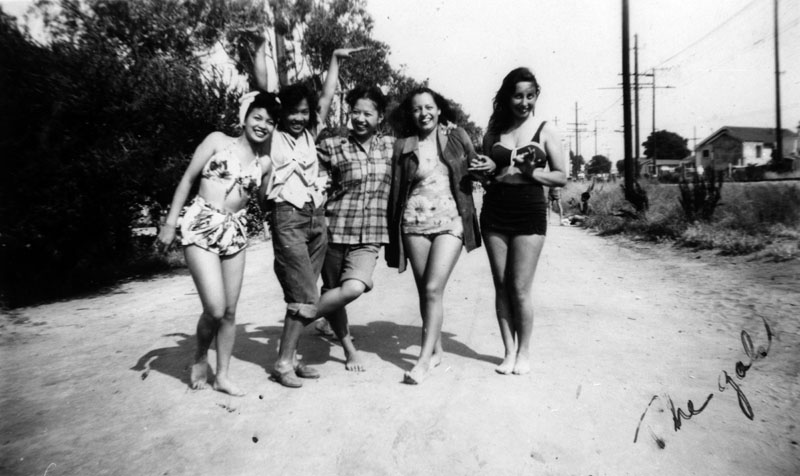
{"points": [[361, 179]]}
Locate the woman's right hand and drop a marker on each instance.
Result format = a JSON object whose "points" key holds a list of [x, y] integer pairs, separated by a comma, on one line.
{"points": [[346, 52], [482, 164], [166, 237]]}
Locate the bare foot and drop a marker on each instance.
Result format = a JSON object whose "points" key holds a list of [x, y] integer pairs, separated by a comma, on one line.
{"points": [[199, 375], [522, 367], [354, 362], [506, 366], [416, 375], [436, 360], [222, 384]]}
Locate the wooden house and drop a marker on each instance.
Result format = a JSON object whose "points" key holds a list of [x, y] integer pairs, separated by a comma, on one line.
{"points": [[731, 147]]}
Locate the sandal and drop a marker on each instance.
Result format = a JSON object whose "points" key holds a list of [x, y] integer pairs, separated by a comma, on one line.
{"points": [[303, 371], [287, 379]]}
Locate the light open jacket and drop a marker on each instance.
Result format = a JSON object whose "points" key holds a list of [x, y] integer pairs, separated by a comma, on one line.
{"points": [[456, 149]]}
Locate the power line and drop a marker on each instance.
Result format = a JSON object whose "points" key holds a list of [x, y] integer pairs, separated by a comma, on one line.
{"points": [[711, 32]]}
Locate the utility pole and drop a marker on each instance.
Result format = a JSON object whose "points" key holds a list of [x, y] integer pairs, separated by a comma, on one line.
{"points": [[637, 142], [595, 138], [778, 151], [652, 85], [630, 167], [577, 131]]}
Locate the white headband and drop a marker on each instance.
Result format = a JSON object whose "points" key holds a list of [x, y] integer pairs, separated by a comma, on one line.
{"points": [[244, 103]]}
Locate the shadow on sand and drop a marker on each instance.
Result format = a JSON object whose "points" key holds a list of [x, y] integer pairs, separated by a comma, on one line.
{"points": [[259, 346]]}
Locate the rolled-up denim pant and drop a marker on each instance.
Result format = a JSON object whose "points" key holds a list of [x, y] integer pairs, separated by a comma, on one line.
{"points": [[299, 239]]}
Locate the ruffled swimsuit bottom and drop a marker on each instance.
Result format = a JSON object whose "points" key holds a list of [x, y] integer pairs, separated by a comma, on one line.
{"points": [[217, 231]]}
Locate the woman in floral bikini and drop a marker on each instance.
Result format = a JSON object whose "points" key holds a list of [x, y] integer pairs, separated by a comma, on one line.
{"points": [[213, 232]]}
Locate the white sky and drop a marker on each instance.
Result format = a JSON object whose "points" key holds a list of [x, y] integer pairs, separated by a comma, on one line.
{"points": [[466, 47], [717, 56]]}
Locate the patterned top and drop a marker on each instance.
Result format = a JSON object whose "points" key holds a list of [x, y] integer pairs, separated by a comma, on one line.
{"points": [[224, 167], [361, 179], [431, 207], [295, 170]]}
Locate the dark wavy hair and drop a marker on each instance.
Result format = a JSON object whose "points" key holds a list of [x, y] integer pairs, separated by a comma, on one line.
{"points": [[292, 95], [402, 118], [502, 118], [373, 93], [268, 101]]}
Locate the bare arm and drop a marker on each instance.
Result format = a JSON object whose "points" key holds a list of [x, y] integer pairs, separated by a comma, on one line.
{"points": [[260, 65], [266, 179], [201, 155], [556, 176], [331, 80]]}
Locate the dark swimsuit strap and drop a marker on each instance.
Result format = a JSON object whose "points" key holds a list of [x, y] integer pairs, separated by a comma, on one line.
{"points": [[539, 132]]}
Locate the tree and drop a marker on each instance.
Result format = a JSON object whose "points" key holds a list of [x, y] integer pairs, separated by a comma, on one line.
{"points": [[598, 165], [114, 105], [665, 145], [306, 33], [620, 167], [576, 162]]}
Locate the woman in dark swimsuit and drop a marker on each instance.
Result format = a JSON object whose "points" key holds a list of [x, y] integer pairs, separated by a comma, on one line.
{"points": [[526, 152]]}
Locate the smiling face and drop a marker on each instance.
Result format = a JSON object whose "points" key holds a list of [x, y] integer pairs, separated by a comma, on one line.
{"points": [[296, 119], [258, 125], [364, 117], [523, 100], [425, 113]]}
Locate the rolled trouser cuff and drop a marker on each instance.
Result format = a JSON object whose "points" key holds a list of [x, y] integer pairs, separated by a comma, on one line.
{"points": [[308, 311]]}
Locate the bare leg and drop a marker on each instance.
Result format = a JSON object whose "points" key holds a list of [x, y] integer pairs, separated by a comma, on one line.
{"points": [[232, 274], [293, 326], [332, 305], [523, 257], [206, 270], [207, 328], [497, 249], [560, 212], [432, 263]]}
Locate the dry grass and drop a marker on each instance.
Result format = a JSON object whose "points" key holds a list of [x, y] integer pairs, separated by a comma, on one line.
{"points": [[751, 218]]}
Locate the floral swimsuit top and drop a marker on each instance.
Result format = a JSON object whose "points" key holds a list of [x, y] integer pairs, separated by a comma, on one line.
{"points": [[224, 167]]}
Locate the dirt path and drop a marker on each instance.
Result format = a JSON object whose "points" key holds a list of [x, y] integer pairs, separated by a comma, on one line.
{"points": [[97, 386]]}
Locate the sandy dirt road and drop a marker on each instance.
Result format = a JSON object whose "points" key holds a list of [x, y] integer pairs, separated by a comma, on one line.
{"points": [[98, 386]]}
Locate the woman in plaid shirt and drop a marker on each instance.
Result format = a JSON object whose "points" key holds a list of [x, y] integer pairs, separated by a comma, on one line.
{"points": [[360, 169]]}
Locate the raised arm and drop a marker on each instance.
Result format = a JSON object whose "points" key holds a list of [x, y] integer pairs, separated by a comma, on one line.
{"points": [[331, 80], [260, 64]]}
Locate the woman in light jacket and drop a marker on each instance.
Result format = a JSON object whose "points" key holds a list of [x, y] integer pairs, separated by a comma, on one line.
{"points": [[431, 212]]}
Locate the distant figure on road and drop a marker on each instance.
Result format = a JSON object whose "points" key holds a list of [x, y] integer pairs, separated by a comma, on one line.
{"points": [[554, 200], [213, 229], [514, 215], [431, 212]]}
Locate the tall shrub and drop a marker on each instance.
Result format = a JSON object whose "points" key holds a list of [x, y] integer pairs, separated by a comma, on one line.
{"points": [[91, 131], [700, 197]]}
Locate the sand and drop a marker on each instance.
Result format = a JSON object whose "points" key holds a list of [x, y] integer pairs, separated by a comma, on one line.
{"points": [[98, 385]]}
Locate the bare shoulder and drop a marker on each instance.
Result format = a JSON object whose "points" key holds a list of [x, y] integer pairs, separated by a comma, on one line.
{"points": [[550, 133], [216, 139]]}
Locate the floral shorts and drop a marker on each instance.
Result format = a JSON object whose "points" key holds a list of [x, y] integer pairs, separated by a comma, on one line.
{"points": [[219, 232]]}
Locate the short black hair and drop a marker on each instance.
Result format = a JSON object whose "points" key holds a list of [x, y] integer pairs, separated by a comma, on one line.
{"points": [[292, 95], [373, 93], [268, 101]]}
